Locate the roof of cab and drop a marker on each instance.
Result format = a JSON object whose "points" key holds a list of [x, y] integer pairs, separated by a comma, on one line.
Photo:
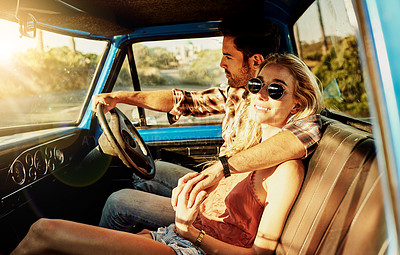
{"points": [[109, 18]]}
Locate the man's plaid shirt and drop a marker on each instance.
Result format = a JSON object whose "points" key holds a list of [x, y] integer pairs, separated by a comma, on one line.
{"points": [[231, 102]]}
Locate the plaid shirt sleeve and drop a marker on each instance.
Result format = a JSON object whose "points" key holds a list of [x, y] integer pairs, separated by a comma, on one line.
{"points": [[308, 131], [199, 104]]}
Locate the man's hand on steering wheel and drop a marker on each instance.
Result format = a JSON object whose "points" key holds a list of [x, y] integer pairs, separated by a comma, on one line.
{"points": [[108, 100], [120, 138]]}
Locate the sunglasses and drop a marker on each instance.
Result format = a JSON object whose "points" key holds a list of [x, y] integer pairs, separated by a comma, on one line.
{"points": [[275, 90]]}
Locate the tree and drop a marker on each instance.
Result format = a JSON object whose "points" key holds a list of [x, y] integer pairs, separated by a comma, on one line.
{"points": [[342, 66], [57, 70], [158, 57], [204, 69]]}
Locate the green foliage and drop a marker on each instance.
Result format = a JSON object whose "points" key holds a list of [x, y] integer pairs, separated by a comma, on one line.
{"points": [[157, 57], [341, 65], [203, 70], [147, 76], [152, 79], [312, 51], [57, 70], [151, 62]]}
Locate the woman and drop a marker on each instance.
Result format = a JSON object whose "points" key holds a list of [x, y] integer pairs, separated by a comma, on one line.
{"points": [[244, 213]]}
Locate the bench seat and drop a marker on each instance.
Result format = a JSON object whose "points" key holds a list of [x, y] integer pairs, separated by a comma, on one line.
{"points": [[339, 209]]}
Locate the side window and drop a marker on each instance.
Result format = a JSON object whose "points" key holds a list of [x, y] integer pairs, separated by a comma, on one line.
{"points": [[187, 64], [326, 40]]}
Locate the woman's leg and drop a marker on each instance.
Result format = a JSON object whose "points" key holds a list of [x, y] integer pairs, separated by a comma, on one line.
{"points": [[48, 236]]}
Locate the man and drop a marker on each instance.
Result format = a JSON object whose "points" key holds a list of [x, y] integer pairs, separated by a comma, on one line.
{"points": [[247, 40]]}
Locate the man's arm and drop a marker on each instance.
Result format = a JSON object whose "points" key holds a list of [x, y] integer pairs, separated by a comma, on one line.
{"points": [[162, 101], [297, 140], [281, 147]]}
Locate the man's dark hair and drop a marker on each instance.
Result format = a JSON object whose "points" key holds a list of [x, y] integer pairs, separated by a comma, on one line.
{"points": [[253, 34]]}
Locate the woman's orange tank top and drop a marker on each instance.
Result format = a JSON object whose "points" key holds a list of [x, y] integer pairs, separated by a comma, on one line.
{"points": [[232, 212]]}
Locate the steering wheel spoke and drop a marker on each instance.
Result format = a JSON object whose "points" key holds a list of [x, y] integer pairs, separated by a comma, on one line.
{"points": [[123, 140]]}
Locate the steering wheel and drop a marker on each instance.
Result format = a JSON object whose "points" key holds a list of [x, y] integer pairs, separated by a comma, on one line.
{"points": [[120, 138]]}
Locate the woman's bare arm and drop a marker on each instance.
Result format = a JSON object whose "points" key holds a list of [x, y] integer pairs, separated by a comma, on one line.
{"points": [[282, 188]]}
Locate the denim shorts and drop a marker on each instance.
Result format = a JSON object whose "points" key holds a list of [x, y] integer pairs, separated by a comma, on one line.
{"points": [[181, 246]]}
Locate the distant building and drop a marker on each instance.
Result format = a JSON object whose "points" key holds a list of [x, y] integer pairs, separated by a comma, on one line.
{"points": [[187, 52]]}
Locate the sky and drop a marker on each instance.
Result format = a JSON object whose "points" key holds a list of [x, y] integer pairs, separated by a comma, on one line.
{"points": [[338, 17]]}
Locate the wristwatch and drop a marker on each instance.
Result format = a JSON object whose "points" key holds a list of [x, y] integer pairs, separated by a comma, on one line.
{"points": [[224, 161]]}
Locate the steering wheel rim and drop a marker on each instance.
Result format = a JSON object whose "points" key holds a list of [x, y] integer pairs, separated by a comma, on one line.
{"points": [[124, 141]]}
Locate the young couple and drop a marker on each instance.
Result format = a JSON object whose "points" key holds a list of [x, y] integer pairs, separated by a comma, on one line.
{"points": [[242, 213]]}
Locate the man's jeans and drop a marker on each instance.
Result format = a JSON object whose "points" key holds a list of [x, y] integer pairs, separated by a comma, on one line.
{"points": [[127, 208]]}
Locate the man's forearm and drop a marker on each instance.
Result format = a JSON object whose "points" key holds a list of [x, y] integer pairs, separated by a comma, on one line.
{"points": [[154, 100], [277, 149]]}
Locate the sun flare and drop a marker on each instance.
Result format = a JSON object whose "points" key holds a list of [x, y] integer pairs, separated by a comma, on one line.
{"points": [[5, 54], [12, 42]]}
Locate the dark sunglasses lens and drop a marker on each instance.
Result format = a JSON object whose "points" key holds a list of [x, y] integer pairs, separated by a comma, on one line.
{"points": [[275, 91], [254, 85]]}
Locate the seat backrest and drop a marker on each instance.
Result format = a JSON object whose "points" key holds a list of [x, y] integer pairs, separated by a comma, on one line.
{"points": [[339, 209]]}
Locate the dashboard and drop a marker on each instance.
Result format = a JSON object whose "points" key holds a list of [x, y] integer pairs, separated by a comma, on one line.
{"points": [[31, 162], [35, 163]]}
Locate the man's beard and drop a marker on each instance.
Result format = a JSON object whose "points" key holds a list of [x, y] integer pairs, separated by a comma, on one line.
{"points": [[241, 79]]}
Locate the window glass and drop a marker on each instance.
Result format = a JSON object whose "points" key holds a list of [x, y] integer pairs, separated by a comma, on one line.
{"points": [[45, 79], [124, 83], [187, 64], [326, 38]]}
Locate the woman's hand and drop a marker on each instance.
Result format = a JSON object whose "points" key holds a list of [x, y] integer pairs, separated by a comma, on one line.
{"points": [[189, 179], [184, 215], [206, 180]]}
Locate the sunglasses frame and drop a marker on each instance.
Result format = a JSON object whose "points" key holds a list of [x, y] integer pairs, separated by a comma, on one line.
{"points": [[258, 80]]}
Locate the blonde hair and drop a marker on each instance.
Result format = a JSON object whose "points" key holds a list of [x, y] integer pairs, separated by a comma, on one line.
{"points": [[306, 90], [249, 133]]}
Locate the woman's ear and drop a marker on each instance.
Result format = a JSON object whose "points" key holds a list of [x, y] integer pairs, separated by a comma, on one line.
{"points": [[255, 61], [295, 108]]}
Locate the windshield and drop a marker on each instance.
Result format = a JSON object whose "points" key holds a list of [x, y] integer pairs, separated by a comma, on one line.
{"points": [[45, 79]]}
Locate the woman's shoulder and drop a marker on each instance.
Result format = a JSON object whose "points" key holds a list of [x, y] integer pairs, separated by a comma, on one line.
{"points": [[288, 171], [292, 164]]}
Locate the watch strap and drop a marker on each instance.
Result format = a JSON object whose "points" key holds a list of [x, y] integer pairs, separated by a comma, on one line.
{"points": [[224, 162]]}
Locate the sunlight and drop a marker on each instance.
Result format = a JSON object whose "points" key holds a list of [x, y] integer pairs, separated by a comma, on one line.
{"points": [[7, 48], [44, 91], [11, 42], [5, 55]]}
